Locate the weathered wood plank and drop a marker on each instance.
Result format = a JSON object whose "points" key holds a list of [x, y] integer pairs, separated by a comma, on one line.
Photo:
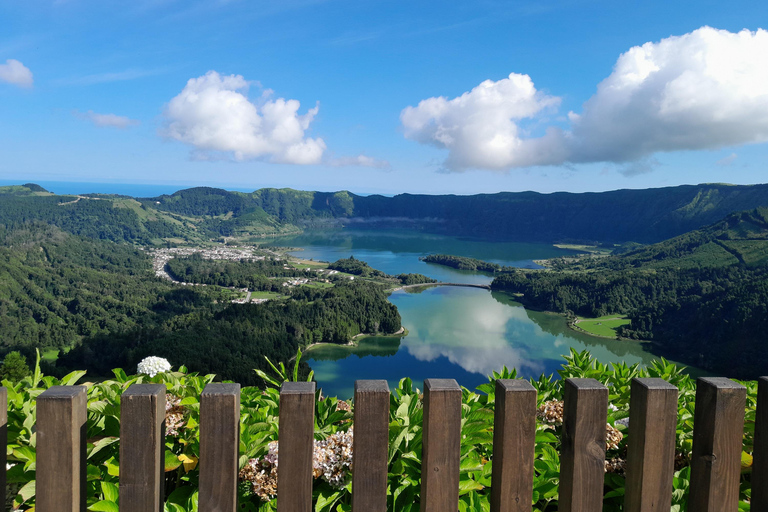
{"points": [[61, 431], [760, 453], [441, 447], [651, 446], [294, 456], [219, 447], [582, 461], [718, 428], [142, 448], [514, 440], [370, 446]]}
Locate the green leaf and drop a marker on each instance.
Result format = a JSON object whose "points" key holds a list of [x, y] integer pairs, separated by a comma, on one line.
{"points": [[110, 491], [171, 461], [71, 378], [28, 490], [104, 506], [466, 486]]}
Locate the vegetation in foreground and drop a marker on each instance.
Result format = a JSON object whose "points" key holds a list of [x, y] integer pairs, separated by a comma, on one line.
{"points": [[332, 486]]}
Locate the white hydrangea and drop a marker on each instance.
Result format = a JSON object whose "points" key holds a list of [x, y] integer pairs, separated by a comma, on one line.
{"points": [[153, 365]]}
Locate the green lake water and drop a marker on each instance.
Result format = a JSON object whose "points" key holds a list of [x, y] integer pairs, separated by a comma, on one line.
{"points": [[454, 332]]}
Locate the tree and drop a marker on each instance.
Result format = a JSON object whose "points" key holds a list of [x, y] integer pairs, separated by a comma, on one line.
{"points": [[14, 367]]}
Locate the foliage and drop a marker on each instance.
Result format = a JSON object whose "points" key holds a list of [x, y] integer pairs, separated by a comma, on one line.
{"points": [[259, 422], [251, 274], [409, 279], [355, 267], [231, 341], [14, 367], [696, 295], [101, 305], [464, 263]]}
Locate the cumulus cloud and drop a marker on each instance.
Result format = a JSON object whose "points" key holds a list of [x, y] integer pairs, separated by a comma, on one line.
{"points": [[106, 120], [14, 72], [214, 114], [481, 127], [703, 90]]}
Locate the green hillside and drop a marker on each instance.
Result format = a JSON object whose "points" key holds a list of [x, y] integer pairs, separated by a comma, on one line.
{"points": [[200, 214], [701, 297], [644, 216]]}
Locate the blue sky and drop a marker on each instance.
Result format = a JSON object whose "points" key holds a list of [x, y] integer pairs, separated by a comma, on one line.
{"points": [[385, 97]]}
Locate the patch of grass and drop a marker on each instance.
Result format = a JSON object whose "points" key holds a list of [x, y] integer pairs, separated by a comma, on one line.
{"points": [[264, 295], [318, 284], [604, 326], [50, 355]]}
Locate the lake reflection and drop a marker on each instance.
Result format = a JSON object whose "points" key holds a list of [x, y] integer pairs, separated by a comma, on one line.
{"points": [[464, 334]]}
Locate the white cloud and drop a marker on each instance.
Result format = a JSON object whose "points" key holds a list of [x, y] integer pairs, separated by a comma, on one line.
{"points": [[107, 120], [728, 160], [359, 161], [213, 113], [704, 90], [480, 127], [14, 72]]}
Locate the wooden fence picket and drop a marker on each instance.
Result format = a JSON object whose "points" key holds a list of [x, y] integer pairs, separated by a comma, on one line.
{"points": [[718, 428], [219, 447], [514, 445], [142, 448], [61, 449], [441, 445], [582, 462], [370, 446], [296, 438], [651, 446]]}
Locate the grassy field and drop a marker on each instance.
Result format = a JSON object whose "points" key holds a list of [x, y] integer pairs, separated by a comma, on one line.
{"points": [[264, 295], [604, 326], [50, 355], [318, 284]]}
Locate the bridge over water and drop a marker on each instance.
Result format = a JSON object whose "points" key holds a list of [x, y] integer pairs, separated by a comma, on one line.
{"points": [[468, 285]]}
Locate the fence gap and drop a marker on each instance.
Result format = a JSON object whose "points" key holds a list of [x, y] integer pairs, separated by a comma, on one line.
{"points": [[718, 428], [370, 446], [441, 445], [514, 445], [651, 446], [760, 453], [294, 455], [582, 461], [142, 448], [61, 430], [219, 447]]}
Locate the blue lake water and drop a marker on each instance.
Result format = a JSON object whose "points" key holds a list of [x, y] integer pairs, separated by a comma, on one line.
{"points": [[454, 332]]}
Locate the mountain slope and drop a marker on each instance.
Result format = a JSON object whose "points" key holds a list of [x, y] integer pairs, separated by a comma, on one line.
{"points": [[701, 297]]}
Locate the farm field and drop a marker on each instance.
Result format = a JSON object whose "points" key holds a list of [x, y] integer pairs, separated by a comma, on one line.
{"points": [[602, 326]]}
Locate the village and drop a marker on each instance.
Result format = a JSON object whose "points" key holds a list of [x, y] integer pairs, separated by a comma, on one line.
{"points": [[161, 257]]}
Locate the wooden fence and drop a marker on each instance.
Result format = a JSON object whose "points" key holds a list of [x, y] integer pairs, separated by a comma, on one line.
{"points": [[715, 461]]}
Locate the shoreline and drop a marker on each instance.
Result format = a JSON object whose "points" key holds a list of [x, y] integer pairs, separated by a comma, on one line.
{"points": [[353, 342]]}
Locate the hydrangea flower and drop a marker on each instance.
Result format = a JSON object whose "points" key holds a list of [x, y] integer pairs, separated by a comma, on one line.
{"points": [[153, 365]]}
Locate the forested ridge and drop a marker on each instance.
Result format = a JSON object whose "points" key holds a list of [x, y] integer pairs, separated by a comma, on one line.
{"points": [[231, 342], [101, 302], [204, 213], [701, 297]]}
